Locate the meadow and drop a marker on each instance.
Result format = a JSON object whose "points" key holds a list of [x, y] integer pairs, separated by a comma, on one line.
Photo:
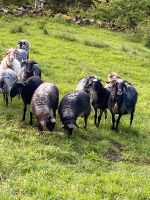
{"points": [[91, 164]]}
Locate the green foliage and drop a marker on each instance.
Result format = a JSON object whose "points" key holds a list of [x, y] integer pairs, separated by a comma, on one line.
{"points": [[94, 163]]}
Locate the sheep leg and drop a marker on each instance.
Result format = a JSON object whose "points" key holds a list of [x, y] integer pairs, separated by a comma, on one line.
{"points": [[99, 117], [40, 127], [4, 96], [85, 121], [95, 116], [118, 120], [6, 99], [31, 117], [54, 113], [86, 115], [105, 112], [24, 112], [131, 118], [113, 121]]}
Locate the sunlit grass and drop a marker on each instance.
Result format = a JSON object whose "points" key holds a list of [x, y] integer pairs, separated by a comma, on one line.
{"points": [[93, 163]]}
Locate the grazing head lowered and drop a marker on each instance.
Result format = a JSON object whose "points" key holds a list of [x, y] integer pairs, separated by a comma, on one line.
{"points": [[44, 104], [71, 107], [122, 100]]}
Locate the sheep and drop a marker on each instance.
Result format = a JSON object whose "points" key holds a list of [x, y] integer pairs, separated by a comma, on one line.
{"points": [[26, 89], [71, 107], [10, 61], [21, 55], [111, 79], [44, 104], [24, 44], [122, 100], [7, 79], [98, 95], [29, 68]]}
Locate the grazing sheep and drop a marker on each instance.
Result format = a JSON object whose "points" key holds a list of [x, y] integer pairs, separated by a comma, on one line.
{"points": [[7, 79], [122, 100], [21, 55], [26, 89], [44, 104], [24, 44], [71, 107], [98, 95], [10, 61], [29, 68]]}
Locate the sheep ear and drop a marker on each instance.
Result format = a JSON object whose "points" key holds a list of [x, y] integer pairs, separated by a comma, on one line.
{"points": [[53, 120]]}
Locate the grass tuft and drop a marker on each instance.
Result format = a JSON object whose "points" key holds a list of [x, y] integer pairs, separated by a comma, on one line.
{"points": [[66, 36], [95, 43], [17, 29]]}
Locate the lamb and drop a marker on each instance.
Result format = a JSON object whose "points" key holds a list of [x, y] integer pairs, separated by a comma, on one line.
{"points": [[10, 61], [26, 89], [122, 100], [71, 107], [44, 104], [7, 79], [24, 44], [29, 68]]}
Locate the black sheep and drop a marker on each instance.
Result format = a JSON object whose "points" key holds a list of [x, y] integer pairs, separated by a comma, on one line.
{"points": [[71, 107], [122, 100], [100, 96], [26, 90]]}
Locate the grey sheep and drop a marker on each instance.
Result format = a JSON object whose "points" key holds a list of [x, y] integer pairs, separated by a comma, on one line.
{"points": [[7, 79], [29, 68], [71, 107], [24, 44], [44, 104], [21, 55], [122, 100]]}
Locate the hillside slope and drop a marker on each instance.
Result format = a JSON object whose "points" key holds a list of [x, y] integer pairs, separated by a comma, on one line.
{"points": [[93, 163]]}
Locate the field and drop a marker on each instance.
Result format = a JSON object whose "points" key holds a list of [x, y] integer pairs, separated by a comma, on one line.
{"points": [[94, 163]]}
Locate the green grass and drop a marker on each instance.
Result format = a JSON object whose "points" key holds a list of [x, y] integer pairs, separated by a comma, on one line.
{"points": [[93, 163]]}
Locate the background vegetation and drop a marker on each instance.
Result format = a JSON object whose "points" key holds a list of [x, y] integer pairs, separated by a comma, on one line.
{"points": [[93, 163], [134, 14]]}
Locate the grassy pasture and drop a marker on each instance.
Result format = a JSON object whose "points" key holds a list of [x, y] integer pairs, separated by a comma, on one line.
{"points": [[93, 163]]}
